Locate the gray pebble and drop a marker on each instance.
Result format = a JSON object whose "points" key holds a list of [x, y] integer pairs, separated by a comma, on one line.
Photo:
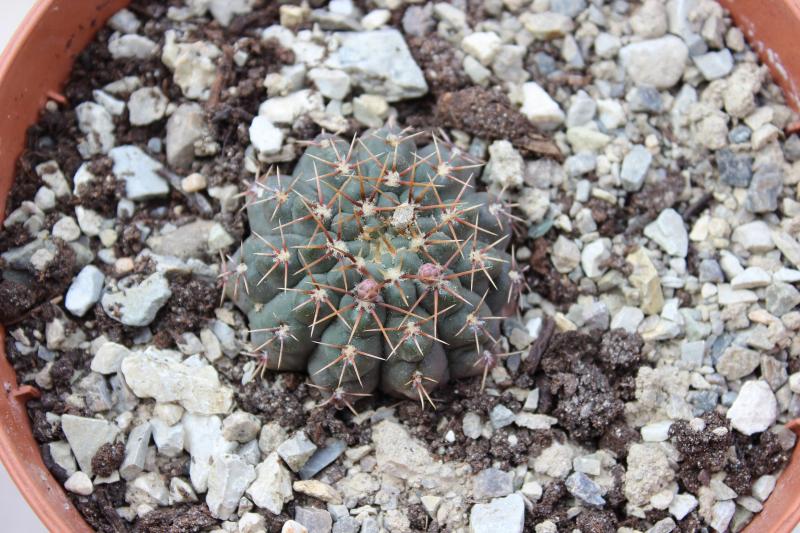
{"points": [[492, 483], [765, 186], [645, 100], [582, 487], [739, 134], [735, 170]]}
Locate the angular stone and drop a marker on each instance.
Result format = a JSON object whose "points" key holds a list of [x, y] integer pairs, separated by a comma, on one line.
{"points": [[241, 426], [502, 514], [136, 451], [737, 362], [313, 519], [634, 168], [229, 477], [204, 441], [135, 304], [714, 65], [788, 246], [751, 278], [645, 278], [781, 298], [193, 65], [85, 290], [492, 483], [146, 105], [547, 25], [86, 436], [319, 490], [380, 63], [501, 416], [79, 483], [272, 487], [266, 138], [534, 421], [322, 458], [755, 408], [185, 126], [762, 194], [396, 452], [186, 241], [96, 123], [593, 257], [108, 358], [754, 236], [669, 232], [140, 173], [297, 450], [333, 84], [582, 487], [682, 505], [539, 107], [656, 62], [735, 170], [151, 374]]}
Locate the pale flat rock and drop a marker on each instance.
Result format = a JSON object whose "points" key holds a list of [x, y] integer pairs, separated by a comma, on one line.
{"points": [[755, 408], [140, 172], [502, 514], [86, 436], [132, 46], [147, 105], [380, 63], [535, 421], [272, 488], [788, 246], [203, 440], [136, 451], [751, 278], [286, 109], [229, 477], [185, 126], [265, 136], [669, 232], [397, 452], [645, 278], [319, 490], [136, 304], [108, 358], [297, 450], [151, 374], [96, 123], [194, 65], [85, 290], [539, 107], [189, 240], [656, 63]]}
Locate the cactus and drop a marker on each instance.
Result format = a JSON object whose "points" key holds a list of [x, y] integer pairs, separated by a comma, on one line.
{"points": [[376, 264]]}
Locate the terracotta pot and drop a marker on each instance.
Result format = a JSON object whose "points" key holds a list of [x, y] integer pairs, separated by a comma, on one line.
{"points": [[33, 68]]}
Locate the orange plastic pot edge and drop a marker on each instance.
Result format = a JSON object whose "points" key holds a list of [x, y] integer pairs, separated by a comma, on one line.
{"points": [[33, 67]]}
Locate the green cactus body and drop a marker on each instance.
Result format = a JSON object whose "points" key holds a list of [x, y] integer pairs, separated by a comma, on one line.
{"points": [[375, 265]]}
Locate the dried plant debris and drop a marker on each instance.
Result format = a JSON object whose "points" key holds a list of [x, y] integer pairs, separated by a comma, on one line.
{"points": [[348, 196]]}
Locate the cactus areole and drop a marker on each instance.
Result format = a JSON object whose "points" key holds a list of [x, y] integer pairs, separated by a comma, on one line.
{"points": [[376, 264]]}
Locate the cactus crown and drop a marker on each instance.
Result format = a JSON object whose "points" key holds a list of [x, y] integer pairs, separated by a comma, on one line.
{"points": [[375, 264]]}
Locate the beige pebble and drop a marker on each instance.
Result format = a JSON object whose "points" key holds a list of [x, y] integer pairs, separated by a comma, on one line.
{"points": [[194, 182]]}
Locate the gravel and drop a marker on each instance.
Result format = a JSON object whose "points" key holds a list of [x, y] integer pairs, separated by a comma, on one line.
{"points": [[670, 215], [85, 290]]}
